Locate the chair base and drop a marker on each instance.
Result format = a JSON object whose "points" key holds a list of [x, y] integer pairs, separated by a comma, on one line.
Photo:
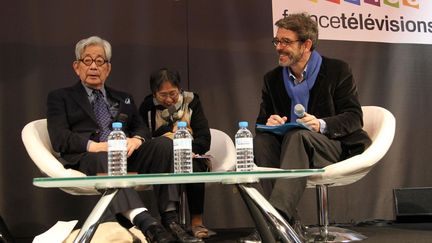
{"points": [[335, 234]]}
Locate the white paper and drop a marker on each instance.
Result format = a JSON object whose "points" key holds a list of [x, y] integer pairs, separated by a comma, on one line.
{"points": [[258, 168], [57, 233]]}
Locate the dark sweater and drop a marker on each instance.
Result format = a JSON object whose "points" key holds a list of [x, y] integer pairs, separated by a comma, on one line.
{"points": [[198, 123]]}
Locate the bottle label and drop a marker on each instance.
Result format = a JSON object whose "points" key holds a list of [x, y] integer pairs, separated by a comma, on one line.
{"points": [[182, 143], [242, 143], [117, 145]]}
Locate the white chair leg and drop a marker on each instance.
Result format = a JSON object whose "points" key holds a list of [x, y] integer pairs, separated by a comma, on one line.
{"points": [[324, 232]]}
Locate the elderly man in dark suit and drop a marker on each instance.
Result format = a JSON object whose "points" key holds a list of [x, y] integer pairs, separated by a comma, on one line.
{"points": [[79, 121], [326, 88]]}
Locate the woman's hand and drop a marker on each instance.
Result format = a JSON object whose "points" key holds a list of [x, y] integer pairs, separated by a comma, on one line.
{"points": [[132, 145]]}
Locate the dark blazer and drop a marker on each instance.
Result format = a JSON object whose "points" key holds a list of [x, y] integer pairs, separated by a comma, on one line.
{"points": [[333, 98], [72, 123]]}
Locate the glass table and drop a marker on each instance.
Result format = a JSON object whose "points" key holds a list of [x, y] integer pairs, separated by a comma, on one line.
{"points": [[261, 210]]}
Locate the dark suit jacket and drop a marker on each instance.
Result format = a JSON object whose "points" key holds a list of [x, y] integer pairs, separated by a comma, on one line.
{"points": [[72, 123], [333, 98]]}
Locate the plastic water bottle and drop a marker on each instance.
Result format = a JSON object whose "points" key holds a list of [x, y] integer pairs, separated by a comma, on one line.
{"points": [[117, 151], [244, 148], [182, 149]]}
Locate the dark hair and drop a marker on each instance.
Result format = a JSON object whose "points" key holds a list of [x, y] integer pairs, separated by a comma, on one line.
{"points": [[157, 78], [303, 25]]}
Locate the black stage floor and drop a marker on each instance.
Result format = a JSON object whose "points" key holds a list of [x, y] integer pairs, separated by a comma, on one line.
{"points": [[381, 232], [377, 232]]}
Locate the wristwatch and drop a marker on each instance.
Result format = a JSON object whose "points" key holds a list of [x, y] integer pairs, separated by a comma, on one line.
{"points": [[140, 138]]}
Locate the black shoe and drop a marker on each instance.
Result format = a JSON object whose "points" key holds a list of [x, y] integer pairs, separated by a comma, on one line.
{"points": [[156, 233], [180, 233], [252, 238]]}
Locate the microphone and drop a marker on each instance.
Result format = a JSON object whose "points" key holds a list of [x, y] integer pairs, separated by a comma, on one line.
{"points": [[168, 112], [299, 110], [171, 110]]}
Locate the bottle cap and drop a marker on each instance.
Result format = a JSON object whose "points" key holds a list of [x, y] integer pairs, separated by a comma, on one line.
{"points": [[181, 124], [117, 125], [243, 124]]}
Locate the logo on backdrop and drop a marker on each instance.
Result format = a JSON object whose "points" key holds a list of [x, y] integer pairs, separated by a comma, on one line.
{"points": [[378, 3], [393, 21]]}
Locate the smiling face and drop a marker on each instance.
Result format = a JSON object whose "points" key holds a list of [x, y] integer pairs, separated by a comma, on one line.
{"points": [[168, 94], [92, 76], [291, 53]]}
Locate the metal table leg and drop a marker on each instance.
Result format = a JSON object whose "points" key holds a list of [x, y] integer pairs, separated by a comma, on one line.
{"points": [[90, 225], [5, 235], [182, 216], [253, 198]]}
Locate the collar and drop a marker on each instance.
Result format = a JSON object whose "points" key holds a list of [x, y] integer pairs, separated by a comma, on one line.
{"points": [[301, 79], [89, 91]]}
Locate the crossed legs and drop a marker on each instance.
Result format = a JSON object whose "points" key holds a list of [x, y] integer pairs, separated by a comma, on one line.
{"points": [[297, 149]]}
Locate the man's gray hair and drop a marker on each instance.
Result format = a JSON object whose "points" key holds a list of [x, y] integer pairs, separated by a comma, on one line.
{"points": [[93, 40]]}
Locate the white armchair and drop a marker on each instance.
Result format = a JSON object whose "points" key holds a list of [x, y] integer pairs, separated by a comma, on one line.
{"points": [[38, 145], [380, 124], [223, 151]]}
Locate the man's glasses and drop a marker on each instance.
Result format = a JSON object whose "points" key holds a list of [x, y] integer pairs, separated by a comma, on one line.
{"points": [[283, 42], [99, 61], [173, 95]]}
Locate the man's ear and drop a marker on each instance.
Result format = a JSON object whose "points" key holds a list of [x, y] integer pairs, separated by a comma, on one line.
{"points": [[308, 44], [75, 66], [108, 69]]}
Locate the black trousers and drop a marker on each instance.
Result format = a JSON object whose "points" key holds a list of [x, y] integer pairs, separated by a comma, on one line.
{"points": [[195, 192], [153, 156], [297, 149]]}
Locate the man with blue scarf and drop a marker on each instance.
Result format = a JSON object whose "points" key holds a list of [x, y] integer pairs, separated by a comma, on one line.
{"points": [[326, 88]]}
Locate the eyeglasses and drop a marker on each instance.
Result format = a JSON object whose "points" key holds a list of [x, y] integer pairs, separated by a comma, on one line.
{"points": [[99, 61], [283, 42], [173, 95]]}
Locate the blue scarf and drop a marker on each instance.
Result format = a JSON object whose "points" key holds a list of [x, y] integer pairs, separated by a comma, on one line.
{"points": [[299, 93]]}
